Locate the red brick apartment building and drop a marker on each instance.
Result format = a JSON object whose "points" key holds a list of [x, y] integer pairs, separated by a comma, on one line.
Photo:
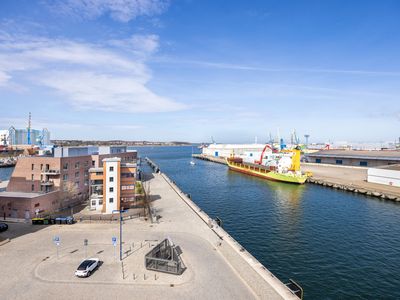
{"points": [[45, 184]]}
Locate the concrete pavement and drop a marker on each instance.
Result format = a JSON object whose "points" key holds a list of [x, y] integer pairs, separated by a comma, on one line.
{"points": [[30, 267]]}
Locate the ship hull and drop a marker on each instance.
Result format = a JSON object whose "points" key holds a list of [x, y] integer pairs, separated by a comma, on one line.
{"points": [[261, 172]]}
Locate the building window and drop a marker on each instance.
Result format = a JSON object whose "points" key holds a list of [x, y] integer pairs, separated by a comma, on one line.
{"points": [[93, 202], [65, 177], [32, 177], [33, 187], [37, 204], [100, 201], [339, 162], [33, 166], [65, 166], [111, 189], [41, 167], [77, 165], [363, 163], [111, 200], [111, 179], [76, 174], [86, 163], [111, 169], [93, 163], [99, 173], [318, 160], [77, 184]]}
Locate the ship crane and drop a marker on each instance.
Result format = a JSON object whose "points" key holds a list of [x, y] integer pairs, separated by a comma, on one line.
{"points": [[263, 152]]}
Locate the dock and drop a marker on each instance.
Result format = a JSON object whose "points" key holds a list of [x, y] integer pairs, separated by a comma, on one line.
{"points": [[345, 178], [219, 160], [350, 179]]}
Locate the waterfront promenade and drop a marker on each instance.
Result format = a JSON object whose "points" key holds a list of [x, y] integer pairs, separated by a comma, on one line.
{"points": [[216, 268]]}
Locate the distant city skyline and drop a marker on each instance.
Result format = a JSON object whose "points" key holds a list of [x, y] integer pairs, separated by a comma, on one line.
{"points": [[191, 70]]}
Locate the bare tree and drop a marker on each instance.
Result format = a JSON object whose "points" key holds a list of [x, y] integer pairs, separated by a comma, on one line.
{"points": [[69, 191]]}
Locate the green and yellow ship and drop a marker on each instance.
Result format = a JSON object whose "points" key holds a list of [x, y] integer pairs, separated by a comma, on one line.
{"points": [[285, 169]]}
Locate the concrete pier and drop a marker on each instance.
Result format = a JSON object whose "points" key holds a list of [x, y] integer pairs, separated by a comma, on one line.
{"points": [[219, 160], [351, 179]]}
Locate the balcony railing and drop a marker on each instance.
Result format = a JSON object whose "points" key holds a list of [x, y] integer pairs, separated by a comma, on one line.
{"points": [[47, 183], [51, 172]]}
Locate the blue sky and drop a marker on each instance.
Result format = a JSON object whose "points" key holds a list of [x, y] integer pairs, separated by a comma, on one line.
{"points": [[189, 70]]}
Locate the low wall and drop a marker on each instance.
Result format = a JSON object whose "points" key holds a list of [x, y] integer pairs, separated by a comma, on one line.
{"points": [[384, 176], [261, 281]]}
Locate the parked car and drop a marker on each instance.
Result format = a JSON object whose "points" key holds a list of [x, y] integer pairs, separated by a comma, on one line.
{"points": [[3, 227], [43, 221], [87, 267], [65, 220]]}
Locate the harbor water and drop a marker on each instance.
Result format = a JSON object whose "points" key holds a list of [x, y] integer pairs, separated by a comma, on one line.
{"points": [[5, 173], [335, 244]]}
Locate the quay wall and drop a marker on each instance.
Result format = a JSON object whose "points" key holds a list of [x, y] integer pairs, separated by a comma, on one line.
{"points": [[258, 277], [218, 160]]}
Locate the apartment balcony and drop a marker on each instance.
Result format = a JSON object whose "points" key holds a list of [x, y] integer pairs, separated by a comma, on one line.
{"points": [[47, 183], [96, 196], [51, 172]]}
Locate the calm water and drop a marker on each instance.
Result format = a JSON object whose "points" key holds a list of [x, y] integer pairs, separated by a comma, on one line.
{"points": [[5, 173], [335, 244]]}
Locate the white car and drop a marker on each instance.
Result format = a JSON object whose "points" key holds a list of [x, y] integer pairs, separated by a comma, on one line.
{"points": [[87, 267]]}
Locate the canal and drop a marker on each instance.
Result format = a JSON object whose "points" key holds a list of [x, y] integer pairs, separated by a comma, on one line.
{"points": [[337, 245]]}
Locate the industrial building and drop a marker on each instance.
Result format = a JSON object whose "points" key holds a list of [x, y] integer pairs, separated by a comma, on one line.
{"points": [[226, 150], [44, 184], [359, 158], [112, 187]]}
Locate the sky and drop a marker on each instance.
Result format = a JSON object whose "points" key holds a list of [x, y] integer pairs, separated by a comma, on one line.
{"points": [[189, 70]]}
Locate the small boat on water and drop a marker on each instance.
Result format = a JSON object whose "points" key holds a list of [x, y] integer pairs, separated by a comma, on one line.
{"points": [[192, 163], [283, 166]]}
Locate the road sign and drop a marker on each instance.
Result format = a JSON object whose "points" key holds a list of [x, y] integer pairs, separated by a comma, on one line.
{"points": [[56, 240], [85, 242]]}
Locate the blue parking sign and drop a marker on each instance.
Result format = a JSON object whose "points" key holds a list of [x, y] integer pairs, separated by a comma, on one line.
{"points": [[114, 240], [56, 240]]}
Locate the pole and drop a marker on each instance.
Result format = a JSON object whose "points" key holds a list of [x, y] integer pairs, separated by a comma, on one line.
{"points": [[120, 234]]}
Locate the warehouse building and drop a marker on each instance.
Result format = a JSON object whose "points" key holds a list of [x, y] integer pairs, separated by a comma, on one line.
{"points": [[226, 150], [359, 158]]}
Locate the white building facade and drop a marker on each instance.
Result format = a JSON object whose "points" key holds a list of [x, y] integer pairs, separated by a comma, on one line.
{"points": [[226, 150]]}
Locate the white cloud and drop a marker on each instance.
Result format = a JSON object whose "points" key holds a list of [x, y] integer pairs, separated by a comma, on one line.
{"points": [[4, 78], [88, 76], [140, 45], [120, 10]]}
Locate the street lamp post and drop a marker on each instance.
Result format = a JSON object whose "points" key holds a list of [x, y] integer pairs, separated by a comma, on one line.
{"points": [[120, 231]]}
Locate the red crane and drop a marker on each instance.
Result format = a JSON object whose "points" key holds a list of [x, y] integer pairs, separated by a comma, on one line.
{"points": [[262, 153]]}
